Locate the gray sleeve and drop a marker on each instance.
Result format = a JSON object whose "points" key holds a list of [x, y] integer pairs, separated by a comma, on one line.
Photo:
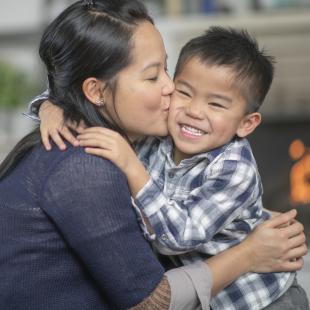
{"points": [[34, 105], [190, 287]]}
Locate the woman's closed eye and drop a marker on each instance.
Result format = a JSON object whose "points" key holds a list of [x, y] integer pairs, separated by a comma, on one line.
{"points": [[153, 78]]}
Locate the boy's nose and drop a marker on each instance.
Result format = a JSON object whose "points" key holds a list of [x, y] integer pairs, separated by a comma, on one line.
{"points": [[194, 110]]}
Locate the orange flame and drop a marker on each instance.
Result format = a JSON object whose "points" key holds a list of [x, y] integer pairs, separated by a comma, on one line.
{"points": [[300, 173]]}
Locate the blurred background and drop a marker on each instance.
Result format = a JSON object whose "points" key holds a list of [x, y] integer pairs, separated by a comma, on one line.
{"points": [[281, 144]]}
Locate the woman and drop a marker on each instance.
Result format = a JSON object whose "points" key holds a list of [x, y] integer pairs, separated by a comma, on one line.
{"points": [[69, 239]]}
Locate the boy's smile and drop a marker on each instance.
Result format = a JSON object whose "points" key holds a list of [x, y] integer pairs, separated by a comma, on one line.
{"points": [[207, 109]]}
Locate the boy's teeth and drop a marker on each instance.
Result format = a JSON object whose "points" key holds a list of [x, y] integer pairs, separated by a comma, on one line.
{"points": [[192, 130]]}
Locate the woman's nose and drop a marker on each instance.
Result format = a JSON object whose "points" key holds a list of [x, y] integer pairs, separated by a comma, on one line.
{"points": [[168, 86]]}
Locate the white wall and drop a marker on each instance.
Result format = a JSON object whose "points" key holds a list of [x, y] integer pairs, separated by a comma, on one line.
{"points": [[20, 15]]}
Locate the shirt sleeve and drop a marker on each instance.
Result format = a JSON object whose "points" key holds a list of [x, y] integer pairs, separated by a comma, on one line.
{"points": [[89, 202], [34, 106], [227, 191], [190, 287]]}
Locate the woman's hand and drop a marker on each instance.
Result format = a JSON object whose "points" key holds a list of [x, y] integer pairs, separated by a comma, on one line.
{"points": [[111, 145], [53, 126], [277, 244]]}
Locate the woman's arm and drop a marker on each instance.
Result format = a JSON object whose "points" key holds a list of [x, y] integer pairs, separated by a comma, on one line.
{"points": [[276, 245]]}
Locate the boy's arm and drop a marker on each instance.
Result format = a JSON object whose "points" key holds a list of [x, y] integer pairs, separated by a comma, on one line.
{"points": [[111, 145], [52, 124], [185, 225]]}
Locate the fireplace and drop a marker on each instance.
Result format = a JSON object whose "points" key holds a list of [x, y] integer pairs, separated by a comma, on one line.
{"points": [[300, 173], [282, 152]]}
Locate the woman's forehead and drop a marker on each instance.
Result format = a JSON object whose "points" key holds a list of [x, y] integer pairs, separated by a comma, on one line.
{"points": [[148, 46]]}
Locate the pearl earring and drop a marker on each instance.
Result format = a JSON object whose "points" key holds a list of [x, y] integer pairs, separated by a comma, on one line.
{"points": [[100, 102]]}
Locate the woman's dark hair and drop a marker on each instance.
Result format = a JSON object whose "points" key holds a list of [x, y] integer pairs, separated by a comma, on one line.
{"points": [[88, 39]]}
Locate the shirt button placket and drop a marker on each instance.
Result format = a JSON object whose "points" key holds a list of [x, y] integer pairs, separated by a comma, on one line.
{"points": [[171, 174], [164, 237]]}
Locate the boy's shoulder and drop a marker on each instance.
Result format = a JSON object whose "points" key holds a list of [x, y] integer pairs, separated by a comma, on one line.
{"points": [[152, 146], [147, 143], [236, 150]]}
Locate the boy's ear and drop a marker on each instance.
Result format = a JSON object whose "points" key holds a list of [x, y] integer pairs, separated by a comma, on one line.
{"points": [[93, 90], [248, 124]]}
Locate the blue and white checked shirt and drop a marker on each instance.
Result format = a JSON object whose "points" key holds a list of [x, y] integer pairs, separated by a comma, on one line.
{"points": [[206, 204]]}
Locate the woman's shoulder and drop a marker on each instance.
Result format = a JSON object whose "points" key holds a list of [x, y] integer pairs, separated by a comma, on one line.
{"points": [[75, 168], [76, 161], [80, 177]]}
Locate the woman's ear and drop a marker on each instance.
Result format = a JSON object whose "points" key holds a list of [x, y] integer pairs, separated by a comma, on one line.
{"points": [[93, 90], [248, 124]]}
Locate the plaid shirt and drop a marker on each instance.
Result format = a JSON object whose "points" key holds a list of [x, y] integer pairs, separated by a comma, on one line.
{"points": [[206, 204]]}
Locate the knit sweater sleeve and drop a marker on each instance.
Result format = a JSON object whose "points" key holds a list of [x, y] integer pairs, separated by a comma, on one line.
{"points": [[88, 200]]}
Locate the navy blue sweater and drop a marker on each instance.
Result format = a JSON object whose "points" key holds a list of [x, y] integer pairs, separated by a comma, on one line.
{"points": [[69, 237]]}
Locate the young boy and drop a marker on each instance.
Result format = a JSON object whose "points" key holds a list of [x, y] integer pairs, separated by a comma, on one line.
{"points": [[205, 194], [203, 191]]}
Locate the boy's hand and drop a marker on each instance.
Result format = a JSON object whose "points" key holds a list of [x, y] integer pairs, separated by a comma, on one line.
{"points": [[53, 126], [111, 145], [108, 144], [278, 244]]}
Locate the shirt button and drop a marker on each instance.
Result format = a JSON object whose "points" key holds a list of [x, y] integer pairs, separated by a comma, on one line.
{"points": [[171, 175], [164, 237]]}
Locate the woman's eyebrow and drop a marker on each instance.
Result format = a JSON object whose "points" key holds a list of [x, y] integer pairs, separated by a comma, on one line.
{"points": [[151, 65], [155, 64]]}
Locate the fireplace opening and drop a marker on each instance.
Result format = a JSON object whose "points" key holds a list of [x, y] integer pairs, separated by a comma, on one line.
{"points": [[300, 173], [282, 152]]}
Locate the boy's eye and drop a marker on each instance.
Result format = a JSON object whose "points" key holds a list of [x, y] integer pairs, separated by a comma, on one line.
{"points": [[182, 92], [216, 105]]}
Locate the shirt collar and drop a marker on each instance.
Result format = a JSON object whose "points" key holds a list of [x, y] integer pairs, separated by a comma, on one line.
{"points": [[166, 151]]}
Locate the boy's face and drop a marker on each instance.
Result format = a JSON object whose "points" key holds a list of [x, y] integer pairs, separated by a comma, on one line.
{"points": [[206, 109]]}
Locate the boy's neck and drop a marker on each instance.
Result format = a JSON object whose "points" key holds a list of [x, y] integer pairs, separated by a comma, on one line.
{"points": [[178, 155]]}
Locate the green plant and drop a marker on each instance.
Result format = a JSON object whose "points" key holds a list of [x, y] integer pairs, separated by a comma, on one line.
{"points": [[16, 87]]}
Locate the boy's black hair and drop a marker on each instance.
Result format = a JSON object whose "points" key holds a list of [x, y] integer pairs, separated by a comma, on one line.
{"points": [[239, 51]]}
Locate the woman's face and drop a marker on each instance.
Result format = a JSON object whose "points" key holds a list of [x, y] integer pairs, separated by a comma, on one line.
{"points": [[142, 96]]}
